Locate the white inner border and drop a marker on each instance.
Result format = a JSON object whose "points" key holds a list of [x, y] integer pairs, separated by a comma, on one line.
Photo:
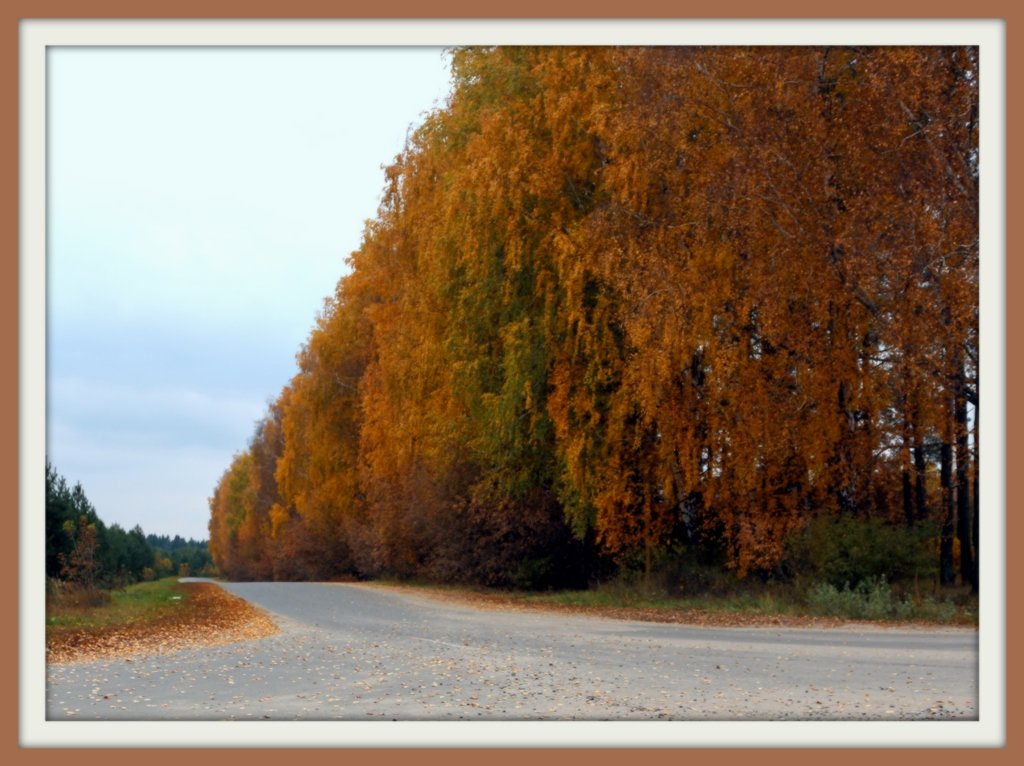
{"points": [[36, 35]]}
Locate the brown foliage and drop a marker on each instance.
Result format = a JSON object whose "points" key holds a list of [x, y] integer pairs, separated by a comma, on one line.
{"points": [[652, 295]]}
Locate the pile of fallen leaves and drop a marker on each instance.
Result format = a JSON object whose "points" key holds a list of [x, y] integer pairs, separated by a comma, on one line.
{"points": [[210, 616]]}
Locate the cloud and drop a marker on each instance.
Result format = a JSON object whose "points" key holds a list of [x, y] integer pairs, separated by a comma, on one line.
{"points": [[147, 455], [151, 416], [201, 204], [164, 489]]}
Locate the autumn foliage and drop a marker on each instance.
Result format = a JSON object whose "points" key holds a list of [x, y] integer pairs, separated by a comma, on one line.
{"points": [[629, 303]]}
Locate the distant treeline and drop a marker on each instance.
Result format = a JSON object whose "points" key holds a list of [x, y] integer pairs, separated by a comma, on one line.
{"points": [[639, 307], [81, 548], [169, 545]]}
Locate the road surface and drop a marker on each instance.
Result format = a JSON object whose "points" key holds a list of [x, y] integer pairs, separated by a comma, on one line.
{"points": [[352, 652]]}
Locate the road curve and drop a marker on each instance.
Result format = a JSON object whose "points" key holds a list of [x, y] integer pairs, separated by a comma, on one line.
{"points": [[351, 652]]}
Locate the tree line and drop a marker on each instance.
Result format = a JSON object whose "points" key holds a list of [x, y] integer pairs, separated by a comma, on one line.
{"points": [[628, 306], [81, 549]]}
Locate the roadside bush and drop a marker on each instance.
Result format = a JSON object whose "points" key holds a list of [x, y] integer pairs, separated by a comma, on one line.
{"points": [[849, 551], [869, 599], [684, 575], [502, 542], [534, 573], [873, 599], [942, 610], [65, 595]]}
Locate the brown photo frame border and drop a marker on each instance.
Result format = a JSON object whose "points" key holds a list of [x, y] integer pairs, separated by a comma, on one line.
{"points": [[457, 9]]}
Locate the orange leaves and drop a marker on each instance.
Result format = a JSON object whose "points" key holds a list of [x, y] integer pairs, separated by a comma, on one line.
{"points": [[719, 246], [683, 296]]}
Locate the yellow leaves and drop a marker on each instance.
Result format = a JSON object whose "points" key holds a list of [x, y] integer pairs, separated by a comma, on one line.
{"points": [[642, 276], [278, 521]]}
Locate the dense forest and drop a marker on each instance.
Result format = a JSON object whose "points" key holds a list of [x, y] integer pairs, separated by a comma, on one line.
{"points": [[645, 308], [82, 550]]}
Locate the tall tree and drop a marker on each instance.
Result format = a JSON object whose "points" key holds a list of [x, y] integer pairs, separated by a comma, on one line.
{"points": [[660, 299]]}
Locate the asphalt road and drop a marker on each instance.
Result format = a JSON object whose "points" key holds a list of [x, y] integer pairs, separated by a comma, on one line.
{"points": [[350, 652]]}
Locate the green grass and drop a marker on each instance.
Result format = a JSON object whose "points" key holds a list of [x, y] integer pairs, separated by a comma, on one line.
{"points": [[69, 608], [877, 602], [614, 596]]}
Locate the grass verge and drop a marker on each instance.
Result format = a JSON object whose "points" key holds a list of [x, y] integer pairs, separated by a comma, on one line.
{"points": [[70, 608], [147, 618], [748, 605]]}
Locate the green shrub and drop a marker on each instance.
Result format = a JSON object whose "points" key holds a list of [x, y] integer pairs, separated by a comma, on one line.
{"points": [[851, 551], [676, 570], [869, 599], [942, 610], [534, 573], [873, 599]]}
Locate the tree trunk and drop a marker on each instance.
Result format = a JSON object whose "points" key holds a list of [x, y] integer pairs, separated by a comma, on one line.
{"points": [[908, 458], [947, 571], [963, 499], [920, 492], [647, 562], [974, 519], [908, 498], [844, 492]]}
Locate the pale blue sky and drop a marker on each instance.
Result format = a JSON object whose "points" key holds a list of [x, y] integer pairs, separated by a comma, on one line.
{"points": [[201, 203]]}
